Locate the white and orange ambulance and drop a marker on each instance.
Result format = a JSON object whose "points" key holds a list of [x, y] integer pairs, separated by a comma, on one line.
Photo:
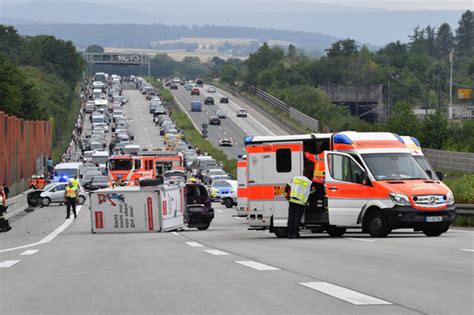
{"points": [[372, 181], [414, 146], [242, 201]]}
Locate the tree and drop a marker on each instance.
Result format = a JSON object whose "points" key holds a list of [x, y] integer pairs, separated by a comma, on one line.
{"points": [[95, 48], [444, 40], [342, 48], [403, 121], [434, 130], [10, 41], [465, 35], [229, 73]]}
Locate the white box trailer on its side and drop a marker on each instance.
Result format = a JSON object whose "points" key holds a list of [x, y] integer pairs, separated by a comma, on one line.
{"points": [[137, 209]]}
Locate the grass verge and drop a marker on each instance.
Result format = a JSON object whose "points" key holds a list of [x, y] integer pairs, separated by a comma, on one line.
{"points": [[462, 186], [463, 220], [61, 142]]}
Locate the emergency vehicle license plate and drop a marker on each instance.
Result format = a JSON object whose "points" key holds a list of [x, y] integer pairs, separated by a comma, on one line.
{"points": [[433, 219]]}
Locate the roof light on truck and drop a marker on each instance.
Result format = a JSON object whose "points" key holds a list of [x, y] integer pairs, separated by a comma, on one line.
{"points": [[399, 199], [342, 139], [399, 138], [248, 139], [415, 140]]}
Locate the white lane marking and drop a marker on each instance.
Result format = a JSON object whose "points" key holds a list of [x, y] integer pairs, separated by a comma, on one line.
{"points": [[256, 265], [460, 230], [344, 294], [175, 233], [29, 252], [216, 252], [467, 250], [225, 132], [8, 263], [359, 239], [240, 218], [51, 236], [220, 127], [220, 211], [193, 244]]}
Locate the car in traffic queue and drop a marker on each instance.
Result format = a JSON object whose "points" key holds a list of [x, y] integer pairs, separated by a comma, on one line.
{"points": [[208, 100], [241, 113], [54, 193], [214, 120], [222, 189], [211, 89], [221, 114], [199, 212], [188, 87], [174, 176], [196, 106], [195, 91], [98, 182], [210, 175], [226, 142], [224, 100], [173, 86]]}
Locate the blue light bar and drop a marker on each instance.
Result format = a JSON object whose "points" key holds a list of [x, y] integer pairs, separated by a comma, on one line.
{"points": [[248, 139], [415, 140], [399, 138], [342, 139]]}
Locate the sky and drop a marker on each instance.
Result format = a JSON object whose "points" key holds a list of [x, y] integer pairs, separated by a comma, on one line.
{"points": [[384, 4]]}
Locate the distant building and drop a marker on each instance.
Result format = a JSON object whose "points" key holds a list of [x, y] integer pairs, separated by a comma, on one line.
{"points": [[465, 111], [364, 101]]}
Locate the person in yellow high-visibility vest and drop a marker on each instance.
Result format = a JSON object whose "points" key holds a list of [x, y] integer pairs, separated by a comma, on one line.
{"points": [[298, 191], [70, 195]]}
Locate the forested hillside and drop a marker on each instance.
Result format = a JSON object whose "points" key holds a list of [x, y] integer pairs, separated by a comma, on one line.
{"points": [[38, 77]]}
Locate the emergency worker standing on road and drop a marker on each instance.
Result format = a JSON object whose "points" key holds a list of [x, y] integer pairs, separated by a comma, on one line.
{"points": [[298, 191], [4, 226], [76, 183], [70, 194]]}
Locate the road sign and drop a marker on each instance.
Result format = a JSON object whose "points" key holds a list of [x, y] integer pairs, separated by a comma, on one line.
{"points": [[464, 94]]}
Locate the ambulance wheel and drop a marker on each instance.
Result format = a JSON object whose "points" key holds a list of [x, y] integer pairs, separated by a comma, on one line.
{"points": [[280, 232], [228, 203], [203, 227], [81, 200], [433, 232], [377, 225], [335, 231], [45, 201]]}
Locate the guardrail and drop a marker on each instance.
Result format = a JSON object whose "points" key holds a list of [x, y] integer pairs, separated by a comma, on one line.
{"points": [[308, 121], [465, 209]]}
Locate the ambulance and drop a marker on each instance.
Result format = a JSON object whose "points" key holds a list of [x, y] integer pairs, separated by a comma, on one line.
{"points": [[372, 181], [414, 146], [242, 202]]}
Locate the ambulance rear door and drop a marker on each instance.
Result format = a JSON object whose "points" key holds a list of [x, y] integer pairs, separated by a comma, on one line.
{"points": [[286, 163]]}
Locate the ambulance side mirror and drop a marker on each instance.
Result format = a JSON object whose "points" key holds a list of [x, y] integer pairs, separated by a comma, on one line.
{"points": [[362, 178], [440, 175]]}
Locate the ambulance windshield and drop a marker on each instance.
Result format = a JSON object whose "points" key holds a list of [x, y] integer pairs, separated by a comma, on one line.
{"points": [[394, 166], [120, 164]]}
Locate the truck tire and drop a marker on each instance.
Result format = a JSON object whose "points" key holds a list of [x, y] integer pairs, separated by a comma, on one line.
{"points": [[335, 231], [203, 227], [81, 200], [433, 232], [377, 225], [228, 202], [280, 232]]}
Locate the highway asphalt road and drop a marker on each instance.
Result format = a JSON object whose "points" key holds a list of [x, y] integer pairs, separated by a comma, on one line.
{"points": [[232, 127], [228, 269], [49, 265]]}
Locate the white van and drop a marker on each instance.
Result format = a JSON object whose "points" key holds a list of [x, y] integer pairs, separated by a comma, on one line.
{"points": [[100, 157], [100, 104], [97, 94], [64, 171], [90, 107], [132, 149]]}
